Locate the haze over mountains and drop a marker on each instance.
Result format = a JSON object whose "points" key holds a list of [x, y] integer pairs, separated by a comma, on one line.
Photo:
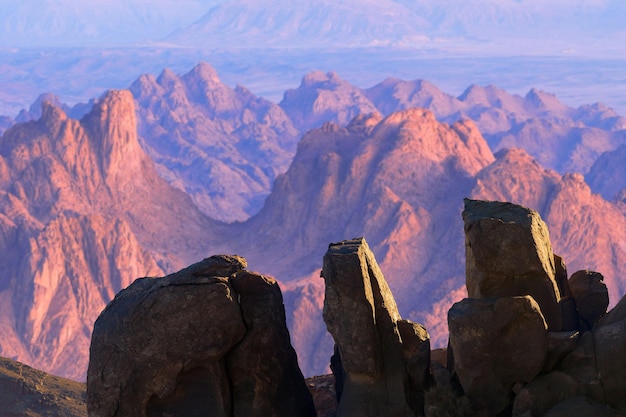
{"points": [[90, 205], [77, 50], [453, 25]]}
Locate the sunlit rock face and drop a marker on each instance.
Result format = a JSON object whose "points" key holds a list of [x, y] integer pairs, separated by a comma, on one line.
{"points": [[79, 202]]}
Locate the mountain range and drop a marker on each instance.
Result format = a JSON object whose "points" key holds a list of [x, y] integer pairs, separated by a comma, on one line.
{"points": [[180, 167], [530, 26]]}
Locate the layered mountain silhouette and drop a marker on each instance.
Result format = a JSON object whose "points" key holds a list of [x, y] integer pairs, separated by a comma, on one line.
{"points": [[88, 205]]}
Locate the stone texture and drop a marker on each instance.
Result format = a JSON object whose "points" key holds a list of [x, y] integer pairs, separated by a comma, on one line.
{"points": [[496, 343], [581, 365], [263, 367], [582, 407], [543, 393], [617, 313], [508, 253], [361, 315], [416, 349], [163, 346], [610, 349], [560, 344], [568, 305], [591, 296], [159, 339], [322, 390]]}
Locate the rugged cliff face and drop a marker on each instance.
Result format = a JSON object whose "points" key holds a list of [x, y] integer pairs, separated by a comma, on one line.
{"points": [[399, 182], [222, 146], [83, 214], [560, 137]]}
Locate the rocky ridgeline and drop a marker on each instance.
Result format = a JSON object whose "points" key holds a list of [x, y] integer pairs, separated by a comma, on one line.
{"points": [[528, 341]]}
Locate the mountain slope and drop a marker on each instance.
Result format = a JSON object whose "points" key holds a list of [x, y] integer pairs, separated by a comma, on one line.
{"points": [[84, 209], [391, 180], [400, 182], [79, 204], [607, 176], [223, 147], [558, 136], [453, 25], [29, 23]]}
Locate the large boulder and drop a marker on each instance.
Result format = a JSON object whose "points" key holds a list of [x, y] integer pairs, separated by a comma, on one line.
{"points": [[379, 355], [508, 253], [543, 393], [263, 367], [168, 346], [590, 295], [497, 343]]}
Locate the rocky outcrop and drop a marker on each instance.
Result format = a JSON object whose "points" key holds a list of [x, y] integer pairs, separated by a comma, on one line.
{"points": [[210, 337], [77, 218], [383, 362], [508, 253], [497, 343], [514, 361], [590, 296], [397, 180]]}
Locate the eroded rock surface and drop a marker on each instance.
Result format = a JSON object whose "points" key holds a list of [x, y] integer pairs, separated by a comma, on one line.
{"points": [[591, 296], [497, 343], [508, 253], [383, 360], [177, 345]]}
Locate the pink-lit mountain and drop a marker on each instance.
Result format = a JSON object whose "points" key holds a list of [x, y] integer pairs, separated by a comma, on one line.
{"points": [[88, 205]]}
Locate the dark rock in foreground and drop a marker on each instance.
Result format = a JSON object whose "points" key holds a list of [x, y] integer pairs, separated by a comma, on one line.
{"points": [[497, 343], [208, 340], [384, 360], [508, 253], [508, 362]]}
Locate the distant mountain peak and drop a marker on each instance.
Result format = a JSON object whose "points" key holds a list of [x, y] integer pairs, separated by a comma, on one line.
{"points": [[113, 127], [540, 100], [51, 112], [167, 78], [204, 71], [314, 78]]}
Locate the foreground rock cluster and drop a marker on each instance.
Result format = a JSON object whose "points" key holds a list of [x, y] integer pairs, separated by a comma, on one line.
{"points": [[529, 341], [211, 340]]}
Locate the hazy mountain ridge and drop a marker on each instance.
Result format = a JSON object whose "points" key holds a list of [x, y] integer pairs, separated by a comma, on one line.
{"points": [[560, 137], [224, 147], [582, 25], [455, 26], [117, 22]]}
